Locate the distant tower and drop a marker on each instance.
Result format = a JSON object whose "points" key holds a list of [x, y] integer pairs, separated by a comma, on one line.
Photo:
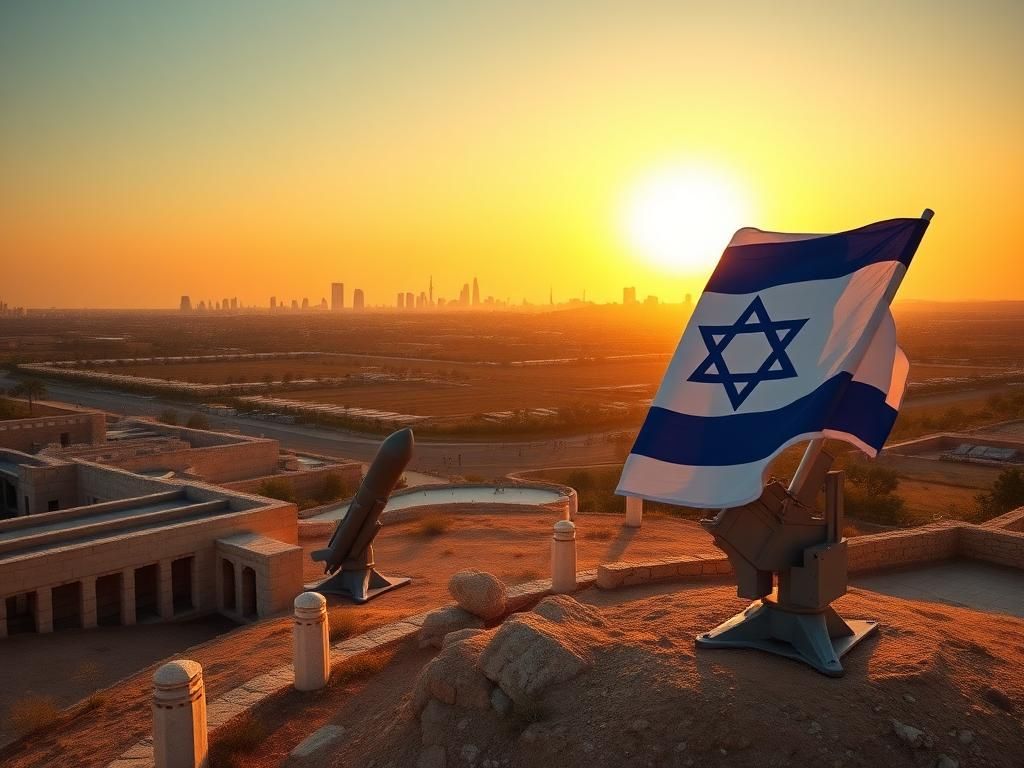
{"points": [[400, 300], [337, 297], [186, 304], [688, 301], [357, 299], [323, 303], [410, 301], [464, 295], [273, 302], [224, 303], [476, 293], [431, 290], [234, 303], [551, 296], [305, 303], [629, 296]]}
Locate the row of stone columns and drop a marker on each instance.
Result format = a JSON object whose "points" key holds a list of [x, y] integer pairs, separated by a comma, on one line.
{"points": [[43, 613]]}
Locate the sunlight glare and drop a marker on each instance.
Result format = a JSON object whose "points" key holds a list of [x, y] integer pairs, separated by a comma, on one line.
{"points": [[680, 218]]}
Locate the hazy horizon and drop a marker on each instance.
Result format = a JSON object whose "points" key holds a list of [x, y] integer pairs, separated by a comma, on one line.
{"points": [[249, 149]]}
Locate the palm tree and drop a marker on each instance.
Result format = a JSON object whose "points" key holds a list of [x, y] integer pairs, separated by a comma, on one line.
{"points": [[33, 389]]}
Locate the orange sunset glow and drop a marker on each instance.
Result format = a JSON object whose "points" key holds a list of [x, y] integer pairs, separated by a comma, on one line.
{"points": [[150, 151]]}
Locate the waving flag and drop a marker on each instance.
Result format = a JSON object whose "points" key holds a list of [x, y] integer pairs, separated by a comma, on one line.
{"points": [[792, 340]]}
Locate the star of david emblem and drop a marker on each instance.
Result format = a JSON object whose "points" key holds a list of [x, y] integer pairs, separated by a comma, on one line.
{"points": [[754, 319]]}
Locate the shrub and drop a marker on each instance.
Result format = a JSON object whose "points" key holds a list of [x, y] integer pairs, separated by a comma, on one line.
{"points": [[1006, 493], [168, 416], [277, 488], [332, 489], [32, 712], [433, 525], [886, 509]]}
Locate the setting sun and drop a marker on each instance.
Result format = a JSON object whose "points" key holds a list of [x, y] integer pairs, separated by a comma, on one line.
{"points": [[680, 217]]}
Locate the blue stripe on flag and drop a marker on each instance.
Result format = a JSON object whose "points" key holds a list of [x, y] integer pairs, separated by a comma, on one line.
{"points": [[703, 441], [752, 268]]}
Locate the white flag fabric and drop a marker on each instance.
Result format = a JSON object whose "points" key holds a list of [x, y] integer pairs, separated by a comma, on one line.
{"points": [[791, 340]]}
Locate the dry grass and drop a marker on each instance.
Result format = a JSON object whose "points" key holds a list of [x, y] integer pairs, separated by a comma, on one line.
{"points": [[32, 712], [242, 737], [434, 525], [343, 624], [600, 534], [358, 667], [521, 577]]}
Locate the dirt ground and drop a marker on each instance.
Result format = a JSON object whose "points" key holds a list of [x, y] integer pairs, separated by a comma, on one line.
{"points": [[515, 547], [652, 699]]}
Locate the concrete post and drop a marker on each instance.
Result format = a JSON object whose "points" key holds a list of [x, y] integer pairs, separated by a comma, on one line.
{"points": [[563, 557], [165, 590], [44, 610], [574, 502], [634, 511], [128, 597], [3, 617], [179, 716], [311, 642], [87, 609]]}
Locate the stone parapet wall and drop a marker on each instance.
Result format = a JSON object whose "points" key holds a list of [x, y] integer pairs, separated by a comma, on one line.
{"points": [[993, 545], [35, 433], [1011, 521], [999, 541], [937, 541], [628, 573], [305, 482]]}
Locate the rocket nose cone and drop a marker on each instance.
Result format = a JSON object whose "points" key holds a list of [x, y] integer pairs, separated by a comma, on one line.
{"points": [[398, 444]]}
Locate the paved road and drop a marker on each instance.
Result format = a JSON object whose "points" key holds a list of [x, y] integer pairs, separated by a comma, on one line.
{"points": [[446, 457]]}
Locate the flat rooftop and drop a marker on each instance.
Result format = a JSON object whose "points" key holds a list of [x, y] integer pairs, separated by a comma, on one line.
{"points": [[84, 526], [965, 583]]}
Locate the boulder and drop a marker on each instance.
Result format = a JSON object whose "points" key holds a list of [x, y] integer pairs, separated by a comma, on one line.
{"points": [[479, 593], [564, 609], [460, 635], [454, 677], [439, 623], [529, 653]]}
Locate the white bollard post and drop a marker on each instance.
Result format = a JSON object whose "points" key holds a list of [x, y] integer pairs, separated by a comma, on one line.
{"points": [[574, 502], [563, 557], [179, 716], [634, 511], [312, 652]]}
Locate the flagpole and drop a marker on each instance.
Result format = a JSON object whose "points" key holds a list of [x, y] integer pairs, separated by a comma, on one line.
{"points": [[803, 471]]}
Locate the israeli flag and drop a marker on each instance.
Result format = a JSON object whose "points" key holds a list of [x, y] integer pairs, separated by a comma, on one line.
{"points": [[792, 340]]}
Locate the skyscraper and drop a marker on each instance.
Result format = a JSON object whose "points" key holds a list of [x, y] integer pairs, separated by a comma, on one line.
{"points": [[410, 300], [357, 299], [431, 290], [186, 304], [273, 302], [400, 300], [337, 297], [305, 303], [476, 293], [464, 295], [629, 296]]}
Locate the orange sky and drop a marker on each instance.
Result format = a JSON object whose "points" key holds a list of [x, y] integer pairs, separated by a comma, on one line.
{"points": [[148, 151]]}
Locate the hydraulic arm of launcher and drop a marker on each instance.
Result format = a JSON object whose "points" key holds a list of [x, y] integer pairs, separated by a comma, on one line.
{"points": [[791, 560]]}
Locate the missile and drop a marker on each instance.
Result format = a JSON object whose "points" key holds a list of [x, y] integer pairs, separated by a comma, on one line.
{"points": [[361, 522]]}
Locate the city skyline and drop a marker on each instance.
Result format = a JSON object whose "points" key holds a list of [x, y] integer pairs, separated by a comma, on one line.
{"points": [[242, 146]]}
